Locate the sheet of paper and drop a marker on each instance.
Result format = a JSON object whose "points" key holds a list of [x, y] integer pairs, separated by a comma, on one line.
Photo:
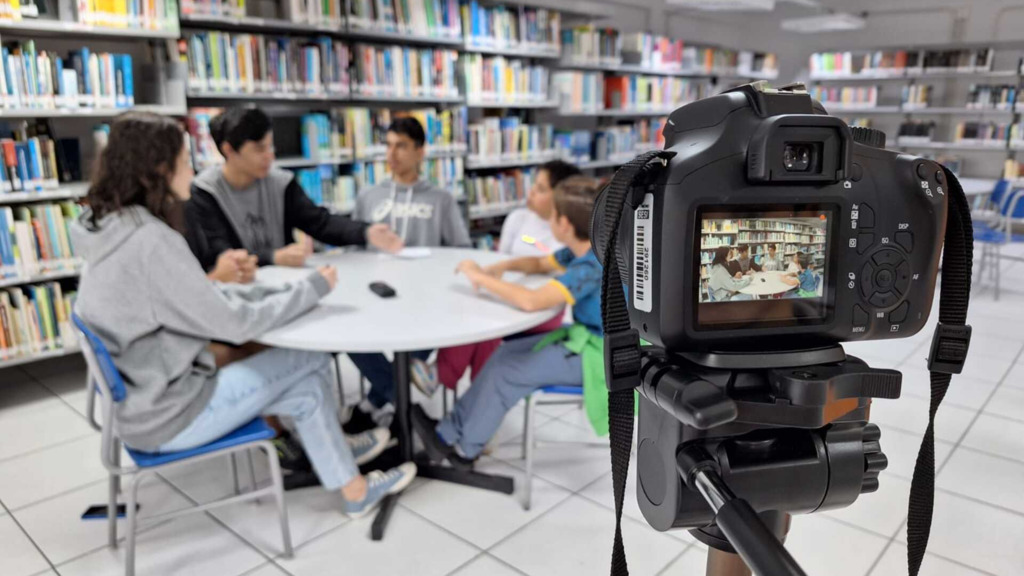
{"points": [[412, 253]]}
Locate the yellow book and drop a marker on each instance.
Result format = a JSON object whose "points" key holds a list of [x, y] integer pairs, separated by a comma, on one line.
{"points": [[120, 10], [16, 9]]}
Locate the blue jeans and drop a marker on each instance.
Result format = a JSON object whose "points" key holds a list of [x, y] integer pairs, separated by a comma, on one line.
{"points": [[513, 373], [277, 382], [377, 369]]}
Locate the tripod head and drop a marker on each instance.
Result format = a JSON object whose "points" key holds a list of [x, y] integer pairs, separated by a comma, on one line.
{"points": [[724, 437]]}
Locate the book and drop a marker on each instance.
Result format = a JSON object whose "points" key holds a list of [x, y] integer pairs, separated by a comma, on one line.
{"points": [[588, 44], [500, 79], [404, 71], [432, 18], [579, 92], [496, 139], [503, 188]]}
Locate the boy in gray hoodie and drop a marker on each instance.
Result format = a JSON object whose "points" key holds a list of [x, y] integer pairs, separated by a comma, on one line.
{"points": [[147, 299], [421, 214]]}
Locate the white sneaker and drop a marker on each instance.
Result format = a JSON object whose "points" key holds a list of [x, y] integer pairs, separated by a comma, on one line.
{"points": [[384, 415], [424, 376]]}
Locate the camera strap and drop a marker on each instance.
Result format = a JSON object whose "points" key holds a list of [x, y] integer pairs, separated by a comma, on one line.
{"points": [[622, 345], [950, 343], [622, 342]]}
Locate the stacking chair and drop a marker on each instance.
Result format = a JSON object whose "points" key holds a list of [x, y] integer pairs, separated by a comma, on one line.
{"points": [[106, 381]]}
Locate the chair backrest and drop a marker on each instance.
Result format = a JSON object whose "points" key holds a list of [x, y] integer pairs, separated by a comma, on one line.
{"points": [[101, 365], [998, 194]]}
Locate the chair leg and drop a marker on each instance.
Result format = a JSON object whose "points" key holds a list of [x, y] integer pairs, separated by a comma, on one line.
{"points": [[997, 265], [362, 387], [129, 553], [116, 457], [282, 512], [112, 486], [252, 473], [234, 473], [529, 449]]}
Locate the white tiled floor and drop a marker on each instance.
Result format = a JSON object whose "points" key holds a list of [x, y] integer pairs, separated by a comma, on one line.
{"points": [[50, 472]]}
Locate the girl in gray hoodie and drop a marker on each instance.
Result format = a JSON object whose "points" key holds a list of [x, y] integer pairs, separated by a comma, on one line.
{"points": [[147, 298]]}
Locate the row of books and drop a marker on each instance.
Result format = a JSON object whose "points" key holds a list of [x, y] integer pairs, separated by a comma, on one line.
{"points": [[591, 45], [500, 79], [405, 71], [322, 12], [201, 145], [918, 129], [322, 137], [445, 173], [254, 63], [620, 142], [894, 62], [579, 91], [366, 128], [507, 138], [33, 159], [506, 187], [506, 27], [326, 187], [652, 51], [991, 96], [34, 239], [916, 95], [757, 63], [147, 14], [439, 18], [984, 133], [635, 91], [35, 319], [229, 8], [44, 79], [846, 96]]}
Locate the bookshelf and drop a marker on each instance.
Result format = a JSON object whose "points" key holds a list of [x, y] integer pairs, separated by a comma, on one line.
{"points": [[301, 162], [517, 104], [38, 356], [60, 28], [69, 191], [44, 277]]}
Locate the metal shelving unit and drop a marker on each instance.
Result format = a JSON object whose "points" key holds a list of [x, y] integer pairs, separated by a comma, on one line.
{"points": [[68, 191]]}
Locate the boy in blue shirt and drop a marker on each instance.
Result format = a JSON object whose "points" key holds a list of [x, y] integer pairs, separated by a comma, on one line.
{"points": [[803, 278], [521, 366]]}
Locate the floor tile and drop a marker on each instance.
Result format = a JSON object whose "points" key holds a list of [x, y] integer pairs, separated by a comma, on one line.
{"points": [[600, 492], [980, 536], [1007, 402], [209, 480], [824, 546], [41, 424], [997, 436], [482, 517], [193, 545], [1015, 377], [993, 346], [311, 512], [575, 538], [57, 528], [911, 415], [994, 480], [18, 391], [901, 448], [17, 554], [69, 387], [563, 455], [963, 391], [485, 565], [412, 545], [894, 563], [268, 569], [73, 363], [693, 562], [986, 368], [882, 512], [40, 475]]}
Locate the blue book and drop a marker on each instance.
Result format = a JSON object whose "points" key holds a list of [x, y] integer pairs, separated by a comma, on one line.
{"points": [[59, 65], [6, 249], [307, 150], [21, 150], [129, 79], [35, 164], [325, 133], [7, 71], [51, 229], [85, 81]]}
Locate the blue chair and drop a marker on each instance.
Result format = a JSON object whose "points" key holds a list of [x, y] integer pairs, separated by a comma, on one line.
{"points": [[994, 233], [105, 380]]}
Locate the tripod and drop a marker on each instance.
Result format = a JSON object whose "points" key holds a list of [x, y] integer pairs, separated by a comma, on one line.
{"points": [[788, 431]]}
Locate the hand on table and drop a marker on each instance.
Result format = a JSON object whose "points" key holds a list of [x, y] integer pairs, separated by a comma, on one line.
{"points": [[495, 270], [330, 273], [382, 238], [472, 271], [293, 255], [234, 266]]}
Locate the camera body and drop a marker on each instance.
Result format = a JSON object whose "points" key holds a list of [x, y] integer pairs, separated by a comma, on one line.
{"points": [[855, 231]]}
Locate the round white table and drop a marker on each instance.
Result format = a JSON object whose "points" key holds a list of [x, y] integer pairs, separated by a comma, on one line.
{"points": [[433, 307], [766, 284]]}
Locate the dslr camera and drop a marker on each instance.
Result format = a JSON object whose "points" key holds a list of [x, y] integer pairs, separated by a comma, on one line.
{"points": [[766, 234]]}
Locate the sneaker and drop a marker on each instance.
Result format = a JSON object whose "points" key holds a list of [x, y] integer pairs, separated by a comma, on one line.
{"points": [[384, 416], [368, 445], [424, 376], [360, 421], [380, 484], [290, 453], [437, 450]]}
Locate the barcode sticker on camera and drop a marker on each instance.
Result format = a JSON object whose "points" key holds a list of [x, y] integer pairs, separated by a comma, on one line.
{"points": [[642, 231]]}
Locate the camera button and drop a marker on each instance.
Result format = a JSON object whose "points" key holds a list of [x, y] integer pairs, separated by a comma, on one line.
{"points": [[905, 239], [923, 172], [856, 173], [883, 299], [866, 218], [899, 314], [867, 286], [890, 257], [903, 277], [860, 316], [864, 242], [884, 279]]}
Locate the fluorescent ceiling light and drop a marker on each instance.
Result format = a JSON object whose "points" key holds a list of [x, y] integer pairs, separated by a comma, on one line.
{"points": [[724, 5], [824, 23]]}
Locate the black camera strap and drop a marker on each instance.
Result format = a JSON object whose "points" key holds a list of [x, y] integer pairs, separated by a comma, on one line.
{"points": [[622, 342], [622, 345], [950, 343]]}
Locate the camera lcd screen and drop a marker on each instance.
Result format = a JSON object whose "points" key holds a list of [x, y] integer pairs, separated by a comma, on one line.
{"points": [[767, 267]]}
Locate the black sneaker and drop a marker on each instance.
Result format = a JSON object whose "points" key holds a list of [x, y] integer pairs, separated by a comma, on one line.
{"points": [[437, 450], [290, 453], [359, 422]]}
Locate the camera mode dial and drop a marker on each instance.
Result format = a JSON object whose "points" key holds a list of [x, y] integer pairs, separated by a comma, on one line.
{"points": [[868, 136]]}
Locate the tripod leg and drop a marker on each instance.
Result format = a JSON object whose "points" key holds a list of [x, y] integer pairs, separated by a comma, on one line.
{"points": [[722, 563]]}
